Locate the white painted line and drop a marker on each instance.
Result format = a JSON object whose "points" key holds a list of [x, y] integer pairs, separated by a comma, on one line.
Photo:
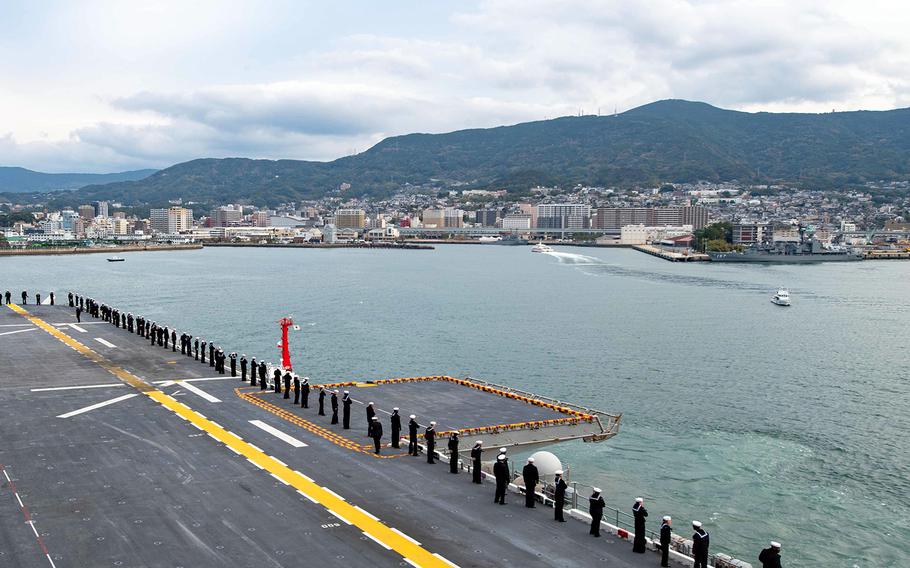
{"points": [[254, 463], [49, 559], [279, 461], [367, 513], [77, 328], [446, 560], [279, 479], [18, 331], [412, 563], [16, 325], [235, 451], [219, 425], [164, 383], [377, 541], [104, 342], [406, 537], [196, 390], [278, 434], [330, 492], [8, 480], [303, 475], [339, 517], [102, 386], [34, 530], [255, 447], [96, 406], [21, 506], [197, 379]]}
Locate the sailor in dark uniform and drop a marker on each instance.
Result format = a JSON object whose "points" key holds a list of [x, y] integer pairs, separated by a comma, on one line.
{"points": [[233, 357], [276, 378], [770, 557], [476, 454], [596, 506], [640, 513], [501, 473], [453, 452], [52, 298], [376, 433], [173, 341], [203, 346], [24, 298], [287, 383], [69, 298], [78, 314], [129, 322], [700, 542], [196, 349], [665, 532], [167, 336], [263, 377], [371, 413], [430, 436], [296, 390], [243, 366], [305, 393], [413, 449], [8, 296], [531, 477], [211, 353], [161, 334], [335, 406], [38, 298], [321, 401], [559, 496], [395, 421], [346, 412]]}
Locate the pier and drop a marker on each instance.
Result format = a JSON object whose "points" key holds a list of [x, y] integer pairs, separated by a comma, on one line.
{"points": [[670, 255], [121, 453], [38, 251]]}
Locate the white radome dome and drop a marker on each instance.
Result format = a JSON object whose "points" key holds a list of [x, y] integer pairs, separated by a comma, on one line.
{"points": [[547, 465]]}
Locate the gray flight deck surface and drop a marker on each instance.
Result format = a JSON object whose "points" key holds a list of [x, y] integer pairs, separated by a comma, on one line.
{"points": [[133, 484]]}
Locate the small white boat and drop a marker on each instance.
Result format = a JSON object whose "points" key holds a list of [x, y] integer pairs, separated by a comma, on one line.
{"points": [[115, 259], [489, 239], [540, 247], [782, 298]]}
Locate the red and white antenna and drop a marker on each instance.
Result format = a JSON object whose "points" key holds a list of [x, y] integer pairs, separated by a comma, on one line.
{"points": [[285, 347]]}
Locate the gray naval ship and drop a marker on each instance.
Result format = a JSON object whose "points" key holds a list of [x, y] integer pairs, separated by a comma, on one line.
{"points": [[807, 251]]}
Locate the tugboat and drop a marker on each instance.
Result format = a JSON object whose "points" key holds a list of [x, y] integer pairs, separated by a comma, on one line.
{"points": [[782, 298]]}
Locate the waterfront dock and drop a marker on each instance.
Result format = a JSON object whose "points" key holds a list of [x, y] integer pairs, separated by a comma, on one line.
{"points": [[123, 454], [42, 251], [670, 255], [365, 245]]}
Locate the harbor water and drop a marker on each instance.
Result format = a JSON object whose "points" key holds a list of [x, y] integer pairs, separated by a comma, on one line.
{"points": [[761, 421]]}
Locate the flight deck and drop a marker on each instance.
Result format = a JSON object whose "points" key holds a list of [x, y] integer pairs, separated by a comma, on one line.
{"points": [[118, 453]]}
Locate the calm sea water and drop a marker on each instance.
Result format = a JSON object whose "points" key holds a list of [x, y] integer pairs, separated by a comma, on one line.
{"points": [[763, 422]]}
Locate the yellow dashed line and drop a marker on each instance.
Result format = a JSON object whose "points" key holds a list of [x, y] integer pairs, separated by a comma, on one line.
{"points": [[377, 531]]}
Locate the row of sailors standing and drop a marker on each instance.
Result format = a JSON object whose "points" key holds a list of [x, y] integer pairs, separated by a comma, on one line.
{"points": [[189, 346], [8, 297]]}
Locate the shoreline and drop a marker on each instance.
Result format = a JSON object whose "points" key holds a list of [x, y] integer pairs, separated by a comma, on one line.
{"points": [[390, 246], [51, 251]]}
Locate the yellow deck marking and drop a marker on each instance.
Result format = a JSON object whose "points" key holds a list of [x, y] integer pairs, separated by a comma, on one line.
{"points": [[376, 530]]}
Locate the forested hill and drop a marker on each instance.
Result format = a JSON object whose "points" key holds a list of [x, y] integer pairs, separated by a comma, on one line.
{"points": [[665, 141]]}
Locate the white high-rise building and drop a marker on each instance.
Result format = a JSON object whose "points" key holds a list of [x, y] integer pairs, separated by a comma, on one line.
{"points": [[171, 220]]}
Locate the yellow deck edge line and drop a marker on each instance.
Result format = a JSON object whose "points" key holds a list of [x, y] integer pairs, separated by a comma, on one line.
{"points": [[375, 529]]}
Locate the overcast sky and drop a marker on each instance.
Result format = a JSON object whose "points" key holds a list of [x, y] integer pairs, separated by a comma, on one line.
{"points": [[97, 86]]}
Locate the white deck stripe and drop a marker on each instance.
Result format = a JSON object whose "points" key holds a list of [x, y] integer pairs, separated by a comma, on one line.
{"points": [[77, 387], [377, 541], [198, 391], [18, 331], [278, 434], [77, 328], [96, 406], [104, 342], [406, 537]]}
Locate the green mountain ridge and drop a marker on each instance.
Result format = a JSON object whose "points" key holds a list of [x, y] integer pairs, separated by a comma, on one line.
{"points": [[20, 180], [666, 141]]}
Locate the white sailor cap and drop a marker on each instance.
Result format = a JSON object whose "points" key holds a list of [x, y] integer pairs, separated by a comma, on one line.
{"points": [[395, 409], [596, 489], [696, 524], [243, 355], [558, 472], [375, 418], [454, 432], [432, 423], [368, 404], [335, 391], [347, 392], [501, 457], [478, 443], [775, 544], [530, 460], [667, 518], [502, 450], [306, 378], [639, 500], [413, 416]]}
